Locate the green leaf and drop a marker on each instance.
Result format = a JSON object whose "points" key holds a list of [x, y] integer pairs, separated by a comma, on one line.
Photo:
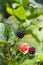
{"points": [[9, 10], [20, 13], [11, 36], [9, 33], [40, 19], [13, 21], [34, 30], [25, 2], [37, 31], [2, 32], [17, 0]]}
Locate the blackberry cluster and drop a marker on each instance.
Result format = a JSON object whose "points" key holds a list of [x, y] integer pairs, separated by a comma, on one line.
{"points": [[32, 50], [20, 33]]}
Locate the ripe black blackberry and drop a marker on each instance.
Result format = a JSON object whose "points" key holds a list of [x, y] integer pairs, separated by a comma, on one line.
{"points": [[32, 50], [20, 33]]}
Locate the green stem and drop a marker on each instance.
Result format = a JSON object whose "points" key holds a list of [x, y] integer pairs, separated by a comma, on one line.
{"points": [[23, 58]]}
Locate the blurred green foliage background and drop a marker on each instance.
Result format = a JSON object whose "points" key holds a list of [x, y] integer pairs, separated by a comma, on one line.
{"points": [[16, 15]]}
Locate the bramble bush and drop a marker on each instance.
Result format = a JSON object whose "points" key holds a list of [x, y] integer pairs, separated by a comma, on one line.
{"points": [[21, 32]]}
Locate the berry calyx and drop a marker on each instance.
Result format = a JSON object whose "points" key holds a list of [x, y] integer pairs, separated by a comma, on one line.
{"points": [[32, 50], [24, 47], [20, 33]]}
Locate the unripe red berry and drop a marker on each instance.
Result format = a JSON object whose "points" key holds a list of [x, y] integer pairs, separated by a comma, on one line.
{"points": [[24, 47]]}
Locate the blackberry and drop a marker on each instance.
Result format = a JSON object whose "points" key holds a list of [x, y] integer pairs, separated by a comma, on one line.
{"points": [[32, 50], [20, 33]]}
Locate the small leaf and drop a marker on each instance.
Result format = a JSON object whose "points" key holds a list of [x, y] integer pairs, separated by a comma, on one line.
{"points": [[11, 37], [9, 10], [20, 13]]}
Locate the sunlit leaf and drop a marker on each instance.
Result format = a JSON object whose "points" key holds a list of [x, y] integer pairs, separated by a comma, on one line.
{"points": [[9, 10], [39, 34], [20, 13]]}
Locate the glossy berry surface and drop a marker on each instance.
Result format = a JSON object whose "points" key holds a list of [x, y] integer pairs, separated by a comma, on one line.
{"points": [[24, 47], [20, 33], [32, 50]]}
